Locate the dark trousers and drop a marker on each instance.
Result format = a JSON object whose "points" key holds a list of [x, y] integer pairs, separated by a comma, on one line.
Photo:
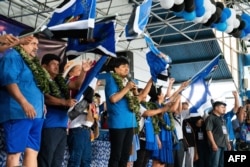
{"points": [[178, 155], [143, 155], [203, 153], [53, 146], [121, 144]]}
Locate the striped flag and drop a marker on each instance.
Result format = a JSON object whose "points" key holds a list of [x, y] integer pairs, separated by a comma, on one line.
{"points": [[103, 41], [157, 61], [197, 93], [72, 16], [138, 20]]}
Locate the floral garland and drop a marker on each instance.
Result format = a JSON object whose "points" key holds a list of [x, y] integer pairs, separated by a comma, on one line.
{"points": [[166, 126], [156, 119], [42, 78], [133, 101]]}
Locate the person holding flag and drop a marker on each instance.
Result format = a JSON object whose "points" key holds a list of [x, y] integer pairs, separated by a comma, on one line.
{"points": [[79, 136], [123, 107], [57, 102]]}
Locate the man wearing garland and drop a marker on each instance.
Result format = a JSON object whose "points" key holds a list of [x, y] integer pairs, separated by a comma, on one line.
{"points": [[122, 107], [54, 136], [22, 103]]}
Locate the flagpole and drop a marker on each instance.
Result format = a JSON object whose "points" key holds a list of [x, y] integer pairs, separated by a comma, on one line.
{"points": [[40, 28], [212, 61]]}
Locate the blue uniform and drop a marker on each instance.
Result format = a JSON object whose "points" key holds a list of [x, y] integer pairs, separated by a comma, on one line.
{"points": [[119, 114], [15, 71]]}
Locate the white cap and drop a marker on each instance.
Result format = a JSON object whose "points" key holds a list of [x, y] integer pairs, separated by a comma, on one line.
{"points": [[69, 66]]}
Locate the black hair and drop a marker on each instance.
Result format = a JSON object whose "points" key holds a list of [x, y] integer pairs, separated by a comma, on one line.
{"points": [[119, 61], [97, 95], [139, 90], [154, 93], [218, 103], [49, 57]]}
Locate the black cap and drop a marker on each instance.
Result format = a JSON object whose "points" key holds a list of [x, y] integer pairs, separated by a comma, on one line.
{"points": [[218, 103]]}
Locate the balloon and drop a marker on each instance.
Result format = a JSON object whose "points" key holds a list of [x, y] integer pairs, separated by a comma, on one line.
{"points": [[178, 8], [243, 24], [206, 16], [243, 34], [234, 30], [199, 3], [200, 11], [236, 23], [178, 2], [198, 19], [189, 16], [227, 11], [167, 4], [220, 5], [231, 19], [229, 29], [218, 14], [224, 15], [213, 8], [211, 20], [189, 6], [179, 14], [236, 34], [221, 26]]}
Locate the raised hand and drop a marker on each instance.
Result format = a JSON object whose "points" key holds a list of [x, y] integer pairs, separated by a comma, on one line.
{"points": [[87, 65], [235, 93], [171, 80], [8, 39], [25, 40]]}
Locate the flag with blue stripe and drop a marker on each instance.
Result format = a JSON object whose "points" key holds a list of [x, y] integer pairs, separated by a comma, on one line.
{"points": [[157, 61], [73, 15], [103, 41], [138, 20], [197, 93]]}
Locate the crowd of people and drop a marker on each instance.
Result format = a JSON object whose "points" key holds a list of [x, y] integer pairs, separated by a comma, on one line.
{"points": [[40, 116]]}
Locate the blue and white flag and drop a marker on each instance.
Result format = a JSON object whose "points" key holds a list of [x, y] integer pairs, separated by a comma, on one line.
{"points": [[138, 20], [197, 93], [72, 15], [205, 71], [103, 41], [157, 61]]}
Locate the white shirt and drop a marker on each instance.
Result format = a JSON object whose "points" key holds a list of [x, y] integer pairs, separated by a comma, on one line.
{"points": [[178, 119], [141, 122], [79, 121]]}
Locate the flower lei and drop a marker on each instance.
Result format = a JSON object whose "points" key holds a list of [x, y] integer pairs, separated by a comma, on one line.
{"points": [[156, 119], [42, 77], [133, 101], [166, 126]]}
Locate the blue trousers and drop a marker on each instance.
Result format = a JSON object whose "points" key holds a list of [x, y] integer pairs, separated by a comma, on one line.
{"points": [[79, 143], [217, 157]]}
